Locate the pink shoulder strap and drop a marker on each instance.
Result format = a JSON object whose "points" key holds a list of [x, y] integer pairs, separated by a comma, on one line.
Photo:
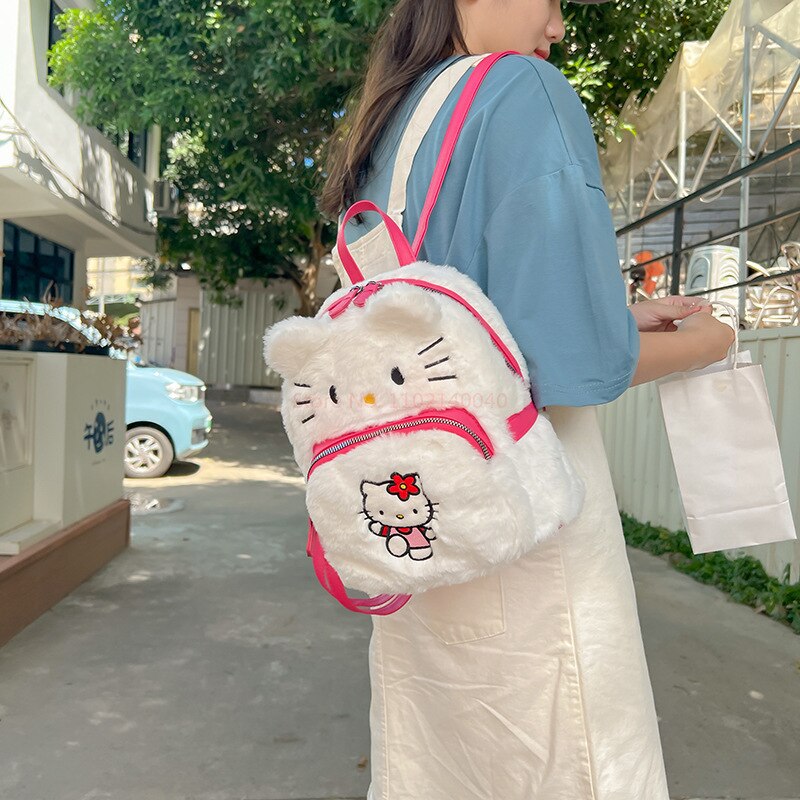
{"points": [[380, 605], [406, 253], [451, 135]]}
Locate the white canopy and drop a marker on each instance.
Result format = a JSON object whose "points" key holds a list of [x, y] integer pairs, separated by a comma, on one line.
{"points": [[710, 75]]}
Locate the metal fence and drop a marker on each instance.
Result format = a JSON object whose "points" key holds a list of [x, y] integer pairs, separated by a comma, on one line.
{"points": [[737, 238]]}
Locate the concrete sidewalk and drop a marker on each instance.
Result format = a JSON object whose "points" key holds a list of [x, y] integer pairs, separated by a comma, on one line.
{"points": [[206, 663]]}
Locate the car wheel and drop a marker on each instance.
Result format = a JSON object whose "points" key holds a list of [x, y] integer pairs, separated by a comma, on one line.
{"points": [[148, 453]]}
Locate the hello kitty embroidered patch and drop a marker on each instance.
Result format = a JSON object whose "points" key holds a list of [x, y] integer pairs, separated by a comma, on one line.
{"points": [[398, 511]]}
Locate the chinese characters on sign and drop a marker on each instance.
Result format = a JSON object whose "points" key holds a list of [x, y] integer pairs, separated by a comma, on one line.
{"points": [[99, 433]]}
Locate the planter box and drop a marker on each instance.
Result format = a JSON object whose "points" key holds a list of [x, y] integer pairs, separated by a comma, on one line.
{"points": [[62, 436], [37, 579]]}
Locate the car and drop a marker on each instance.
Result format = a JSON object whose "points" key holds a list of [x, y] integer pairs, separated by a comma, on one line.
{"points": [[166, 417]]}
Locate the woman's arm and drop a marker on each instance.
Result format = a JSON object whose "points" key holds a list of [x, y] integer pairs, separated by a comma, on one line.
{"points": [[700, 340]]}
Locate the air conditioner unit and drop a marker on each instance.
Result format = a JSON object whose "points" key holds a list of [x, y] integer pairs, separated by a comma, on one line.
{"points": [[165, 199]]}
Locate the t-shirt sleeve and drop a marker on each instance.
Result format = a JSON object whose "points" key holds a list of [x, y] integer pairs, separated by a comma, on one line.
{"points": [[552, 271], [547, 255]]}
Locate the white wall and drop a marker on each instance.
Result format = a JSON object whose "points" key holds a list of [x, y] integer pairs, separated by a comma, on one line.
{"points": [[641, 464], [165, 322]]}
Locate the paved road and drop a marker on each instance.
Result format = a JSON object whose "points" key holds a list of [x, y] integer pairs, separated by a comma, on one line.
{"points": [[205, 663]]}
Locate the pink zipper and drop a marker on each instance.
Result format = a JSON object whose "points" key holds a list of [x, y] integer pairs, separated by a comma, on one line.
{"points": [[454, 420]]}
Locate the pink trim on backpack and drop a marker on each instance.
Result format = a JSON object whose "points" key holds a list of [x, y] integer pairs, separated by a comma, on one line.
{"points": [[380, 605], [512, 362], [401, 246], [521, 422], [460, 416]]}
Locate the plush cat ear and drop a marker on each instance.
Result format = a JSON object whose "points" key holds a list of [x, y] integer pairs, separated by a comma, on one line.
{"points": [[290, 344], [404, 309]]}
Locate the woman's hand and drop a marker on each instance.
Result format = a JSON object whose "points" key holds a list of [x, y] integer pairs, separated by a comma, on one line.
{"points": [[698, 340], [711, 339], [659, 314]]}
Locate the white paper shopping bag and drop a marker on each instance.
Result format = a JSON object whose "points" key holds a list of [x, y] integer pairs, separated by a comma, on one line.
{"points": [[725, 449]]}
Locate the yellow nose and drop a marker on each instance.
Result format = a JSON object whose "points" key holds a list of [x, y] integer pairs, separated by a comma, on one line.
{"points": [[399, 516], [369, 399]]}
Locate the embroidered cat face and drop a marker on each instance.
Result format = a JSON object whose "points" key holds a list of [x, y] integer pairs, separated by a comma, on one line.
{"points": [[386, 354], [398, 502]]}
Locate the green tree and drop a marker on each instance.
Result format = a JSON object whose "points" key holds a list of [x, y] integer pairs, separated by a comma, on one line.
{"points": [[624, 47], [248, 92]]}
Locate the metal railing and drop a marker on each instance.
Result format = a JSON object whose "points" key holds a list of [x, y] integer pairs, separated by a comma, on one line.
{"points": [[681, 212]]}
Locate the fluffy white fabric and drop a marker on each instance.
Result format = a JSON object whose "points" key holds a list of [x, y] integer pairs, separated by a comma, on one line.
{"points": [[406, 350]]}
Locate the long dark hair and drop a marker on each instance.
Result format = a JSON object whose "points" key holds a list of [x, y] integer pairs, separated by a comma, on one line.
{"points": [[416, 35]]}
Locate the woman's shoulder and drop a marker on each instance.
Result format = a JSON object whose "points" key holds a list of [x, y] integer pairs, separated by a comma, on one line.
{"points": [[527, 97], [520, 73]]}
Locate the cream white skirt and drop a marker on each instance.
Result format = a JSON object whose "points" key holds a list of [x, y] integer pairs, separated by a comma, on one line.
{"points": [[530, 684]]}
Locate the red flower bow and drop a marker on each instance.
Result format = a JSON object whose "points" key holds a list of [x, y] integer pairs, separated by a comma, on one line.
{"points": [[358, 295], [403, 485]]}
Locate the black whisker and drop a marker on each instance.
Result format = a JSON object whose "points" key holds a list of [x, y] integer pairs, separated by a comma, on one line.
{"points": [[308, 418], [303, 385], [434, 363], [443, 378], [302, 402], [432, 344]]}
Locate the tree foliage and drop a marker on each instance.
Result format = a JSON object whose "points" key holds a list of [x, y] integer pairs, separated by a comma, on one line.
{"points": [[248, 91], [624, 47]]}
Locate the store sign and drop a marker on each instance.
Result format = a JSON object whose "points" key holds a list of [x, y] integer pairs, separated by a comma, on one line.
{"points": [[98, 433]]}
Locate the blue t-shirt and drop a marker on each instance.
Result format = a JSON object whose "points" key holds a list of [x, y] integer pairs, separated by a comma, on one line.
{"points": [[522, 211]]}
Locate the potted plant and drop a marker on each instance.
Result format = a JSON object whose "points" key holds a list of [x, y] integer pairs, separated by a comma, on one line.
{"points": [[55, 327]]}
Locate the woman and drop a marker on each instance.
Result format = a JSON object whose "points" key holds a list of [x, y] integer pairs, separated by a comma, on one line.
{"points": [[530, 684]]}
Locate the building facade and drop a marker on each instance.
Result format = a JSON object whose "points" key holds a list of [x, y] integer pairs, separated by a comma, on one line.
{"points": [[67, 192]]}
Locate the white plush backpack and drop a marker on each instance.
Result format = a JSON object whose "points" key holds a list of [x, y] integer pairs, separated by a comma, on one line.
{"points": [[408, 405]]}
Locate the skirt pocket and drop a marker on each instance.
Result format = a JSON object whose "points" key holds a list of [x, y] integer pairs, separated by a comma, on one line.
{"points": [[463, 613]]}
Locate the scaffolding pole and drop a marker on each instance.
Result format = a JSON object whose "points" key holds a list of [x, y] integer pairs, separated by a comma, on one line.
{"points": [[744, 155], [682, 144]]}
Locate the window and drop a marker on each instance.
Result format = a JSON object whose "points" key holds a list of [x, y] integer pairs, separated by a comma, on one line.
{"points": [[132, 144], [34, 268], [55, 33]]}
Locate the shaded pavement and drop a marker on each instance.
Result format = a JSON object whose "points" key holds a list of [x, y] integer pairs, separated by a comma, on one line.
{"points": [[206, 663]]}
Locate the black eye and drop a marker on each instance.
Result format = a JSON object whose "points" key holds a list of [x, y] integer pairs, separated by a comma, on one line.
{"points": [[381, 513], [397, 376], [332, 393], [414, 510]]}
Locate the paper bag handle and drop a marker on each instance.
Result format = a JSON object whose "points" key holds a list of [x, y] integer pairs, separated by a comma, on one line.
{"points": [[734, 315]]}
